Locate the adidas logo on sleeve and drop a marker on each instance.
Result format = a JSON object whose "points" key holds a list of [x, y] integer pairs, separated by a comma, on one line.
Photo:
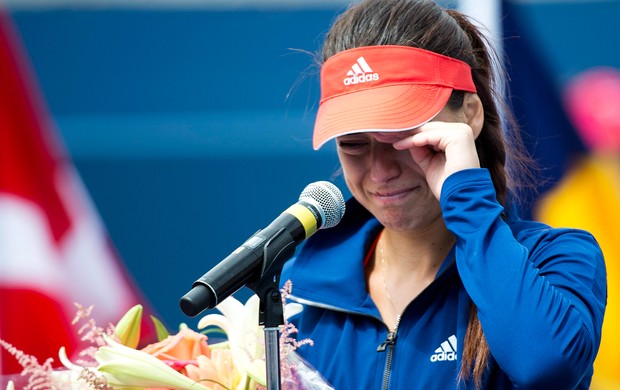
{"points": [[446, 351], [360, 73]]}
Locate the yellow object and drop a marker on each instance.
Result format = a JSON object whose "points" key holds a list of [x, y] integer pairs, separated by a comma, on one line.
{"points": [[588, 198], [305, 216]]}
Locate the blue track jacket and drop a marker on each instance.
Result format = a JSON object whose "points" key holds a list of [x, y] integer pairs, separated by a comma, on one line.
{"points": [[540, 292]]}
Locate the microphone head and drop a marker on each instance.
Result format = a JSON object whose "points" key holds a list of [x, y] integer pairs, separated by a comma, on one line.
{"points": [[329, 199]]}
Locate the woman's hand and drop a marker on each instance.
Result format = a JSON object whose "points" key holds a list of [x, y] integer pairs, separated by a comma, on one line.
{"points": [[441, 149]]}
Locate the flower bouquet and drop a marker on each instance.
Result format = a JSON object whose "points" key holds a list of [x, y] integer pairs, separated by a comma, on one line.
{"points": [[184, 360]]}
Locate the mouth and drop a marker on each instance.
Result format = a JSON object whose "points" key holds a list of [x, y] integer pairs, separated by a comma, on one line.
{"points": [[392, 196]]}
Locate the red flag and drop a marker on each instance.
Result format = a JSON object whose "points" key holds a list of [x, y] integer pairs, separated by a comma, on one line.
{"points": [[54, 250]]}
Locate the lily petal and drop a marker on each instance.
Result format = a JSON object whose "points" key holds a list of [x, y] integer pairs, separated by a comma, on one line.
{"points": [[232, 309], [126, 367], [62, 356], [257, 370], [218, 320]]}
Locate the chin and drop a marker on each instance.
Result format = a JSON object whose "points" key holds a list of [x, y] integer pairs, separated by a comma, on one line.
{"points": [[401, 221]]}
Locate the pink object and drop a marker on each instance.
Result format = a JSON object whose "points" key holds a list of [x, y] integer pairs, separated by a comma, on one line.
{"points": [[592, 101]]}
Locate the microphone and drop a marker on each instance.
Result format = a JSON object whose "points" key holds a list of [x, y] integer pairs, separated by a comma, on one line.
{"points": [[320, 206]]}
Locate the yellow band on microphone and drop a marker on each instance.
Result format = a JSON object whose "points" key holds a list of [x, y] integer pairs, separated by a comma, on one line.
{"points": [[305, 216]]}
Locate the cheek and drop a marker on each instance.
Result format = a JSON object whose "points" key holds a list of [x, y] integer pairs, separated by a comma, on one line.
{"points": [[352, 174], [350, 164]]}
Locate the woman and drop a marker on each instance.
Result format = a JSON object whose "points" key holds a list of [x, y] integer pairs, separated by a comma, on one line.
{"points": [[431, 280]]}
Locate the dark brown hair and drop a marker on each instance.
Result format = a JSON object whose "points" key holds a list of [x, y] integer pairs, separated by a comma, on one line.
{"points": [[426, 25]]}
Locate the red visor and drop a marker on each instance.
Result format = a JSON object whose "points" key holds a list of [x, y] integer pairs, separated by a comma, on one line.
{"points": [[385, 88]]}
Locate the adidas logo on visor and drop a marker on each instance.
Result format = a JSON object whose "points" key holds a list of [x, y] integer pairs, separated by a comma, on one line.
{"points": [[360, 73], [446, 352]]}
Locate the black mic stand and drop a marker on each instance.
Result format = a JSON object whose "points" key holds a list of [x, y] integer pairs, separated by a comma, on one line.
{"points": [[276, 252]]}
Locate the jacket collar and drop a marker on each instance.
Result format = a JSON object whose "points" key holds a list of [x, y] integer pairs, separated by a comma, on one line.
{"points": [[328, 269]]}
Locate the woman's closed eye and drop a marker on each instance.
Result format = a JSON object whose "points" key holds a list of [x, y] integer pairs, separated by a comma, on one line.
{"points": [[352, 145]]}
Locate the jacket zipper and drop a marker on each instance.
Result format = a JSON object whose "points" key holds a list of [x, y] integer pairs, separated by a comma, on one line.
{"points": [[388, 344]]}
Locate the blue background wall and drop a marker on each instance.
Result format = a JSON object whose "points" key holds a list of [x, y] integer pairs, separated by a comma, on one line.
{"points": [[191, 128]]}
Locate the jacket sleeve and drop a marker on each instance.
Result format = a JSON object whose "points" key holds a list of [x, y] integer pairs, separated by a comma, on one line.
{"points": [[540, 293]]}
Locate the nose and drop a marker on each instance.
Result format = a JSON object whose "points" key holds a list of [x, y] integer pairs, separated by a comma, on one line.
{"points": [[384, 164]]}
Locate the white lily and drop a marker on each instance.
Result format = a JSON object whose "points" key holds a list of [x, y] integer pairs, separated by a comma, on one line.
{"points": [[246, 338], [125, 367]]}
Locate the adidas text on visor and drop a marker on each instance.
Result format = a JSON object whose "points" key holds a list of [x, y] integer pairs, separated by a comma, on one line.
{"points": [[385, 88]]}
